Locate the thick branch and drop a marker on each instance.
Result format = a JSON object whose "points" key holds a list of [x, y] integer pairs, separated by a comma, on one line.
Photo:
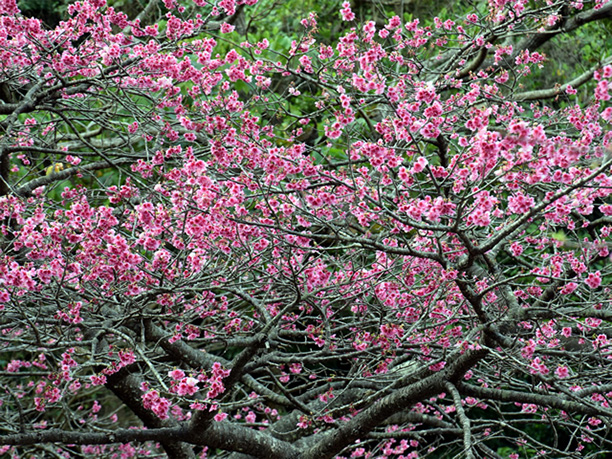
{"points": [[226, 436], [127, 388], [238, 438], [551, 401], [514, 227], [203, 418], [333, 442], [26, 190], [554, 92], [534, 41], [198, 359], [463, 420], [92, 438]]}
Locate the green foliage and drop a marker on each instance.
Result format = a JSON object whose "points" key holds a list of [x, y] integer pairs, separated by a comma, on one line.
{"points": [[51, 12], [568, 56]]}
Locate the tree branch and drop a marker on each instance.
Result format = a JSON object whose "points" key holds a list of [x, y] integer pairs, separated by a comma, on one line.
{"points": [[553, 92], [534, 41], [93, 438], [359, 426], [551, 401], [26, 190], [463, 420]]}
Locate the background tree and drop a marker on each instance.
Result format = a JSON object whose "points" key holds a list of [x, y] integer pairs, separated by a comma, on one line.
{"points": [[350, 237]]}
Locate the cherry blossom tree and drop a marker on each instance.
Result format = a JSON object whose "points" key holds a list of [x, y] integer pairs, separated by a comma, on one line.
{"points": [[391, 244]]}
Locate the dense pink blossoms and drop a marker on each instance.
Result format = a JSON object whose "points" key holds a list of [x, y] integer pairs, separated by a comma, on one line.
{"points": [[438, 248]]}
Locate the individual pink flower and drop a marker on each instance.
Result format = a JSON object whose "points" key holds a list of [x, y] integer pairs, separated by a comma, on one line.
{"points": [[566, 331], [187, 386], [419, 165], [519, 203], [73, 160], [346, 12], [593, 280], [568, 288], [437, 366], [562, 372], [295, 368], [97, 380], [516, 249], [430, 131], [176, 374], [227, 28]]}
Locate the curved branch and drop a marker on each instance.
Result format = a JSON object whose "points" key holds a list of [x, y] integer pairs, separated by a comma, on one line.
{"points": [[127, 389], [474, 65], [92, 438], [26, 190], [195, 358], [551, 401], [463, 420], [514, 227], [534, 41], [553, 92], [358, 427]]}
